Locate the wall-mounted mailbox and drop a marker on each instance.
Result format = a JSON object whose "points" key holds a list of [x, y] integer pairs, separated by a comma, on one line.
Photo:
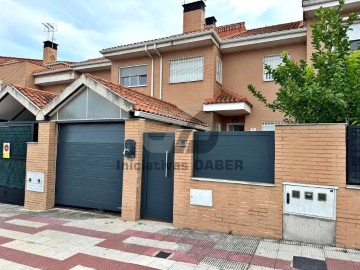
{"points": [[35, 181], [129, 148], [310, 200]]}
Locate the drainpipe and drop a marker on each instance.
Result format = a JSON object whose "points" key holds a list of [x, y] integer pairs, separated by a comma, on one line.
{"points": [[161, 69], [152, 70]]}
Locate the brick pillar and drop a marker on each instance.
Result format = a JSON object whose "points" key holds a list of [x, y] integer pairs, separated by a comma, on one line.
{"points": [[41, 157], [131, 197], [183, 155]]}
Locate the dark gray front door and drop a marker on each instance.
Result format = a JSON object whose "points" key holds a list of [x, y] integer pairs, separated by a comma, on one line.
{"points": [[89, 165], [158, 177]]}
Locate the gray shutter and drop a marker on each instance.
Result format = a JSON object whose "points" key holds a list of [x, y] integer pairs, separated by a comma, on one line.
{"points": [[133, 71]]}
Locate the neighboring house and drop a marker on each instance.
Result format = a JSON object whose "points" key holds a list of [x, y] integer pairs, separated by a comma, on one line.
{"points": [[209, 65]]}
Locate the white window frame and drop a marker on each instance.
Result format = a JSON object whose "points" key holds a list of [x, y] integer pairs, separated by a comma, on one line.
{"points": [[219, 70], [277, 59], [176, 67], [138, 85], [234, 124], [270, 126], [354, 35]]}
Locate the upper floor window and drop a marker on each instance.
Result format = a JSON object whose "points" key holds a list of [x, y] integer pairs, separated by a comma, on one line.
{"points": [[354, 36], [219, 70], [273, 61], [189, 69], [133, 76]]}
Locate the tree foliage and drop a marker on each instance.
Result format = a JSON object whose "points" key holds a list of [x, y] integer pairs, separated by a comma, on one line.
{"points": [[328, 89]]}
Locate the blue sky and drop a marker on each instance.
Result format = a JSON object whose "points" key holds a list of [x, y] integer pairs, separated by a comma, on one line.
{"points": [[87, 26]]}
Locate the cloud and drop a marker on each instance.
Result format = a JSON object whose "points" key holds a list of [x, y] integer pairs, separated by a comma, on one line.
{"points": [[87, 26]]}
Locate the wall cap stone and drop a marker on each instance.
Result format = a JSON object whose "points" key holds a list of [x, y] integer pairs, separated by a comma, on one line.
{"points": [[231, 182]]}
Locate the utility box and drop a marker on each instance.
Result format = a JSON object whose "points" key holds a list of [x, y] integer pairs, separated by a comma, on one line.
{"points": [[35, 181], [309, 213], [309, 200]]}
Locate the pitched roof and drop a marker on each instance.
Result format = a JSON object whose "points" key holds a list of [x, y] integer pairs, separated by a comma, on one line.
{"points": [[37, 97], [270, 29], [145, 103], [226, 96], [7, 59]]}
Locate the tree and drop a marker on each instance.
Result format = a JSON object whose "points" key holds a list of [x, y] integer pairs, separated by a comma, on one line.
{"points": [[328, 89]]}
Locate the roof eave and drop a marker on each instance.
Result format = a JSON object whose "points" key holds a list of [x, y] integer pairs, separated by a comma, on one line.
{"points": [[52, 71], [91, 65], [169, 120], [161, 43], [288, 35]]}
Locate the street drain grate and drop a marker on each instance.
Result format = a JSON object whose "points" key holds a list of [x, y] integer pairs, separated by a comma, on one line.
{"points": [[163, 255], [303, 263]]}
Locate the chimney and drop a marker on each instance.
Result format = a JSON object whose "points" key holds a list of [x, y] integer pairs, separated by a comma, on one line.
{"points": [[194, 16], [210, 22], [50, 52]]}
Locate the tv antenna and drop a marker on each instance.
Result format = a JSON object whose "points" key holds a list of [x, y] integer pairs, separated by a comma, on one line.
{"points": [[50, 28]]}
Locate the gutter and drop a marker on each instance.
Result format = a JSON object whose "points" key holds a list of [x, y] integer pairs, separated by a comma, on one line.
{"points": [[155, 117], [161, 70], [152, 70], [92, 64]]}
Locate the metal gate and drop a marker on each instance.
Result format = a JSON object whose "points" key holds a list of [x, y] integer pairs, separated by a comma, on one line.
{"points": [[353, 155], [158, 177], [89, 165], [13, 168]]}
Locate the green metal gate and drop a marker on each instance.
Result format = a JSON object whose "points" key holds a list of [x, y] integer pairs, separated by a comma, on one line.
{"points": [[13, 169]]}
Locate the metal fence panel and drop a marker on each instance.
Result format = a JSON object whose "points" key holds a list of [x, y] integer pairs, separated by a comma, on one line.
{"points": [[239, 156]]}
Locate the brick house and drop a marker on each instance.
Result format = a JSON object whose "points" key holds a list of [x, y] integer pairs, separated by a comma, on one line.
{"points": [[210, 65], [87, 111]]}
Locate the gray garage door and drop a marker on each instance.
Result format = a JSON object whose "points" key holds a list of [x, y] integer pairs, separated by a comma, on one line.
{"points": [[89, 165]]}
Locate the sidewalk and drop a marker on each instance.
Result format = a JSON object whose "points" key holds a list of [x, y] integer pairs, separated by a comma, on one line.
{"points": [[68, 239]]}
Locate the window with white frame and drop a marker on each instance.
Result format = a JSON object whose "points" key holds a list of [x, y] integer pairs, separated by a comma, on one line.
{"points": [[270, 126], [133, 76], [273, 61], [189, 69], [354, 36], [219, 69]]}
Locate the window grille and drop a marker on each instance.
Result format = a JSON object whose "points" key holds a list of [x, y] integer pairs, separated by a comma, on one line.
{"points": [[188, 69]]}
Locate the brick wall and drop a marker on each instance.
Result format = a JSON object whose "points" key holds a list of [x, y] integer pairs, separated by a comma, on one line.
{"points": [[132, 177], [307, 154], [243, 68], [240, 209], [194, 21], [41, 157]]}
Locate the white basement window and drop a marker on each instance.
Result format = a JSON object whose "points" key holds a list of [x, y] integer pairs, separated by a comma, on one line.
{"points": [[273, 61], [133, 76], [270, 126], [219, 70], [354, 36], [189, 69]]}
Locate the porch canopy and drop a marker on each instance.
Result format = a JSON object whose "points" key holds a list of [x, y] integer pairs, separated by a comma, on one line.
{"points": [[227, 103]]}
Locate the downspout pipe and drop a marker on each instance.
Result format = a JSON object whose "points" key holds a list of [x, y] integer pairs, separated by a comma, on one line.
{"points": [[161, 70], [152, 70]]}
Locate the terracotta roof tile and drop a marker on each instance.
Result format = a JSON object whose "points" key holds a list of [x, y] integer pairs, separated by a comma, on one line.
{"points": [[6, 59], [38, 97], [226, 31], [52, 69], [270, 29], [144, 103], [226, 96], [91, 60]]}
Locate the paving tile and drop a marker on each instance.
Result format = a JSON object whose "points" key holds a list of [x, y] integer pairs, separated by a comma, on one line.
{"points": [[355, 257], [79, 267], [339, 255], [158, 244], [256, 267], [269, 253], [333, 264], [290, 248], [268, 245], [4, 264], [312, 253], [159, 263], [286, 255], [182, 266], [223, 264], [27, 223]]}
